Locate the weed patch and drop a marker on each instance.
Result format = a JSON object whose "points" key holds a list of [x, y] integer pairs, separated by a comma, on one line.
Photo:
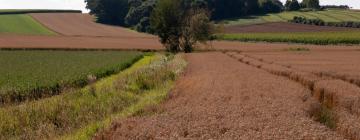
{"points": [[323, 114]]}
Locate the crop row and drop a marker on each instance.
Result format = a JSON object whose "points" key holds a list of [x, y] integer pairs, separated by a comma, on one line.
{"points": [[333, 102], [319, 38], [28, 75]]}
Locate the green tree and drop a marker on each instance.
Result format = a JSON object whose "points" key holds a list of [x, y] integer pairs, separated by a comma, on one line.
{"points": [[271, 6], [166, 20], [314, 4], [179, 26], [139, 13], [292, 5], [196, 28], [287, 5], [109, 11]]}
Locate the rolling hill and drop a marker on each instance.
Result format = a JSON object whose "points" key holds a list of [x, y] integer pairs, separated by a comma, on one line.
{"points": [[327, 16]]}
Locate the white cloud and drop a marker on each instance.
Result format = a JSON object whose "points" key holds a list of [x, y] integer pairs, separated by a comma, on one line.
{"points": [[80, 4]]}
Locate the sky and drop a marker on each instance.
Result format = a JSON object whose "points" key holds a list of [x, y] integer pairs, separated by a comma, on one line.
{"points": [[80, 5]]}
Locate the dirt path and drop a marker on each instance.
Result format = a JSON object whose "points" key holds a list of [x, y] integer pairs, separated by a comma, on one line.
{"points": [[220, 98]]}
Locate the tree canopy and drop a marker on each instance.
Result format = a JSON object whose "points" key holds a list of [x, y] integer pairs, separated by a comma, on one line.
{"points": [[180, 25], [314, 4], [136, 13], [292, 5]]}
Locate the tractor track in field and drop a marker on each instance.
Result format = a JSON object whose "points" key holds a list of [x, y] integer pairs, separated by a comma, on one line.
{"points": [[340, 96], [220, 98]]}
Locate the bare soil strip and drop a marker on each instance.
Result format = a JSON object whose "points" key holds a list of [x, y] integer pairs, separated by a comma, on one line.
{"points": [[220, 98], [77, 24], [64, 42], [341, 98], [280, 27]]}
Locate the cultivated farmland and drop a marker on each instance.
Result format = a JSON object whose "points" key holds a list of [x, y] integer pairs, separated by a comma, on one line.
{"points": [[36, 74], [327, 16], [319, 38], [84, 80], [22, 24], [281, 27]]}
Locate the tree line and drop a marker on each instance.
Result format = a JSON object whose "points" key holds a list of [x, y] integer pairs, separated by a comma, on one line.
{"points": [[181, 24], [136, 13]]}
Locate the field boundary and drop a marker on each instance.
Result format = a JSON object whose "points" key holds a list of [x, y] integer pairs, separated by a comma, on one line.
{"points": [[36, 11], [56, 33], [79, 49]]}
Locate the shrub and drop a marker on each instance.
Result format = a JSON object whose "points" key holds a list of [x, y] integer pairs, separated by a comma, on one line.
{"points": [[323, 115], [319, 22]]}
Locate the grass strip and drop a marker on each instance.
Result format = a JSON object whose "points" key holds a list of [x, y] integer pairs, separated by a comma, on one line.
{"points": [[22, 24], [318, 38], [87, 110]]}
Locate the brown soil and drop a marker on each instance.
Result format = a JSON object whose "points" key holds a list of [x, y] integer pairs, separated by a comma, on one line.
{"points": [[76, 24], [78, 31], [65, 42], [279, 27], [220, 98]]}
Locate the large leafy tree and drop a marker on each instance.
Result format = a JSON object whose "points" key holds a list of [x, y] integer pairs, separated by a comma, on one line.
{"points": [[314, 4], [139, 13], [179, 25], [292, 5], [109, 11], [270, 6], [166, 21]]}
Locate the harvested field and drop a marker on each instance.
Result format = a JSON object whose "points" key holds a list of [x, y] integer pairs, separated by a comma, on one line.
{"points": [[336, 104], [343, 65], [279, 27], [77, 24], [211, 102]]}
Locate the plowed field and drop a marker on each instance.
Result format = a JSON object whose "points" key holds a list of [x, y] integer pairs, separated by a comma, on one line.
{"points": [[77, 24]]}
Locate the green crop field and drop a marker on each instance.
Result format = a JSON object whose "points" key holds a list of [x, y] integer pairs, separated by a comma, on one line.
{"points": [[320, 38], [22, 24], [34, 74], [327, 16]]}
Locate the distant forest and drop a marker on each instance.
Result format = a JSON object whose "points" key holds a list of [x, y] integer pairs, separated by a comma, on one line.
{"points": [[136, 13]]}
